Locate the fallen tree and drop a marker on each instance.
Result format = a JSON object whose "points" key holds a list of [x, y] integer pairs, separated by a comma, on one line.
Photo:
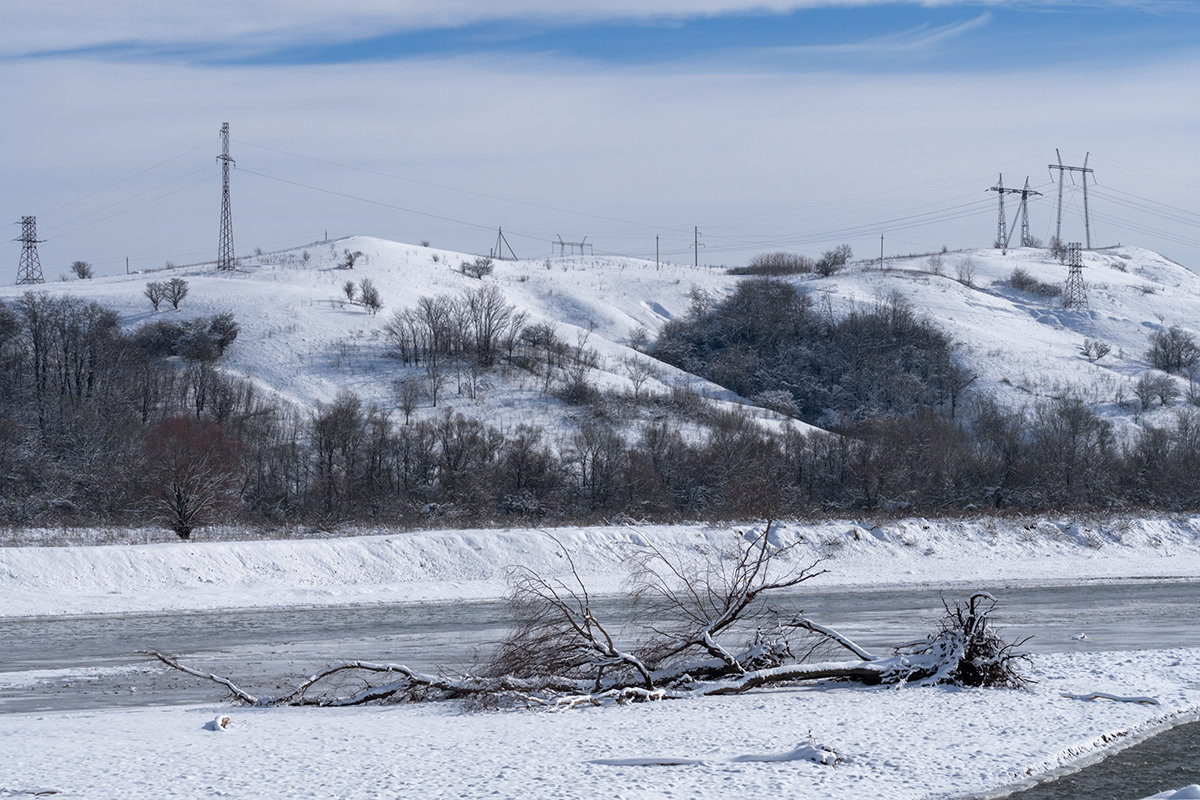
{"points": [[706, 628]]}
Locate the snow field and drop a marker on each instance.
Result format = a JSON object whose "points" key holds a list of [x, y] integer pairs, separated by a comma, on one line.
{"points": [[895, 743], [443, 565]]}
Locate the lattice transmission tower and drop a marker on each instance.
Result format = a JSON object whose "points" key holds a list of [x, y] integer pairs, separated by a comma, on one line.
{"points": [[1084, 171], [225, 257], [1001, 225], [29, 269], [1074, 293]]}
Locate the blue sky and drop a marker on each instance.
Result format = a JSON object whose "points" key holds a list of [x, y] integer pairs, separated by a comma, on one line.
{"points": [[960, 36], [786, 123]]}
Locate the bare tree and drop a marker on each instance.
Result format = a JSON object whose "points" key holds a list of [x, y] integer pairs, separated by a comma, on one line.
{"points": [[638, 370], [693, 615], [703, 628], [1173, 350], [174, 291], [155, 292], [965, 271], [408, 394], [82, 270], [349, 259], [191, 470], [1095, 349], [478, 268], [350, 290], [368, 295]]}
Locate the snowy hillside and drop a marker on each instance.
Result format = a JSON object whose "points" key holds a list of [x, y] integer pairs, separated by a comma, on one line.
{"points": [[302, 340], [1025, 347]]}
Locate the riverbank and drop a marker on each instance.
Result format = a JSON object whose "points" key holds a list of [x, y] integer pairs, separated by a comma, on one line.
{"points": [[424, 566], [893, 743]]}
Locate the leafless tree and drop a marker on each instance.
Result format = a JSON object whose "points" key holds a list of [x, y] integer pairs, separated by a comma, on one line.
{"points": [[191, 470], [965, 271], [1095, 349], [349, 259], [638, 370], [368, 295], [174, 291], [704, 628], [478, 268], [82, 270], [408, 394], [155, 292]]}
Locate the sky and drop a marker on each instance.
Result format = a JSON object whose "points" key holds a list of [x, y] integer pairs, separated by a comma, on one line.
{"points": [[708, 129]]}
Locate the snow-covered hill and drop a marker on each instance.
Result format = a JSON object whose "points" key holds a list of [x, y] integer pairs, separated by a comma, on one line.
{"points": [[303, 341], [1025, 347]]}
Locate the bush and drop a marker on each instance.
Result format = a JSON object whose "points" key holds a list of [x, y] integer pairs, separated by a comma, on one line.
{"points": [[200, 340], [1022, 281], [349, 259], [368, 295], [832, 261], [479, 267], [776, 263], [1173, 350]]}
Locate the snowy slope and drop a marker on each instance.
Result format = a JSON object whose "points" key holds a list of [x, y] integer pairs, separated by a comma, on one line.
{"points": [[1027, 348], [301, 340], [443, 565]]}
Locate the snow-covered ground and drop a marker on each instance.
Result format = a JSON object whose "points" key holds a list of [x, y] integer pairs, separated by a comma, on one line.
{"points": [[475, 564], [894, 743]]}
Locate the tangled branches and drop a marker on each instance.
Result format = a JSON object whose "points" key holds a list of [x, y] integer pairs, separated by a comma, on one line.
{"points": [[692, 611]]}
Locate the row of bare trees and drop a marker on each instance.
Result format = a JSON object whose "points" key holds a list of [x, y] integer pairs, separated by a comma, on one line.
{"points": [[81, 405]]}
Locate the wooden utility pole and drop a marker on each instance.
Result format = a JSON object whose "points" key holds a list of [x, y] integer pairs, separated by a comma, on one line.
{"points": [[696, 243], [881, 252]]}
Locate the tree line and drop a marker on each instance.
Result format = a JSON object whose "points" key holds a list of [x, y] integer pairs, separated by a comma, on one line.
{"points": [[101, 425]]}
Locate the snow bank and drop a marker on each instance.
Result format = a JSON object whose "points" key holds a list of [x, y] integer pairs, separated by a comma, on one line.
{"points": [[898, 744], [439, 565]]}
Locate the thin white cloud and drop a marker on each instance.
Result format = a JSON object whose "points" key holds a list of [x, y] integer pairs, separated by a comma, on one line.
{"points": [[37, 26]]}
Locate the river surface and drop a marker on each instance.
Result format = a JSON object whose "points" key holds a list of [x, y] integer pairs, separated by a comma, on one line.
{"points": [[63, 663]]}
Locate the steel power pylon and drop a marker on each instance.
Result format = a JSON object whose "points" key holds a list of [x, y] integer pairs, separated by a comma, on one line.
{"points": [[29, 269], [1074, 293], [1024, 212], [1002, 234], [225, 257], [1062, 170]]}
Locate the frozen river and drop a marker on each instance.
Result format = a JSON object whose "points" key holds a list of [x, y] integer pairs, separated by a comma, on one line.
{"points": [[61, 663]]}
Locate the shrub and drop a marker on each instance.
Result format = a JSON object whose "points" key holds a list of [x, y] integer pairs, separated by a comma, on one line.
{"points": [[1173, 350], [832, 261], [775, 263], [1022, 281], [481, 266]]}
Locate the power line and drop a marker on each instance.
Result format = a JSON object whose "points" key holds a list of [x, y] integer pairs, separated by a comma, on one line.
{"points": [[444, 187], [127, 178], [64, 234], [123, 200]]}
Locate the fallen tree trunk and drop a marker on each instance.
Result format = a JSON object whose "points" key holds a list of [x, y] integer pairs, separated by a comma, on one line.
{"points": [[560, 655]]}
